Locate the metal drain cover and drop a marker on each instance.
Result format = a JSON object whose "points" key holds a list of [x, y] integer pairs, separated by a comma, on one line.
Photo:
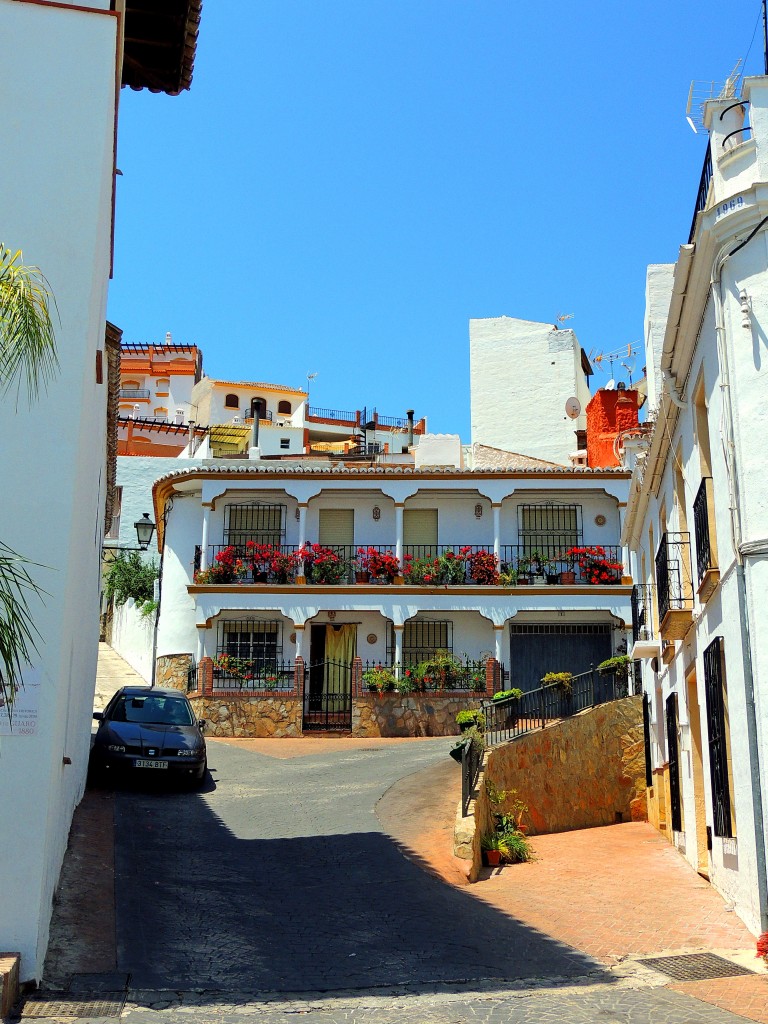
{"points": [[696, 967], [105, 1004]]}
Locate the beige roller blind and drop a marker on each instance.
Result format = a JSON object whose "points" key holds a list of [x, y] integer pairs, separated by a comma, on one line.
{"points": [[420, 526], [337, 526]]}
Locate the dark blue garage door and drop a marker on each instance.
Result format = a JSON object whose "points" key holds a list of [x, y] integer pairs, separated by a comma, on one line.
{"points": [[538, 648]]}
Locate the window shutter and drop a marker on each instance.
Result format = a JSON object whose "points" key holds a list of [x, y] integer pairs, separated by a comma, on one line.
{"points": [[337, 527], [420, 526]]}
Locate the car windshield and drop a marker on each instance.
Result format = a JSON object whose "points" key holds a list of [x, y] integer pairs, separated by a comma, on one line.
{"points": [[153, 710]]}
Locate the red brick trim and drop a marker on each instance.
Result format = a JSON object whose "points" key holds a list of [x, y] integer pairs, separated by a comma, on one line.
{"points": [[491, 674], [205, 677]]}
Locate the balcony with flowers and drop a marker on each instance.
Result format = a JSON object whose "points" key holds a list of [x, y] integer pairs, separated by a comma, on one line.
{"points": [[428, 566]]}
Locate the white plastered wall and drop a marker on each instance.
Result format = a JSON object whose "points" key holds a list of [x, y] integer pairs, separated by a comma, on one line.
{"points": [[57, 125]]}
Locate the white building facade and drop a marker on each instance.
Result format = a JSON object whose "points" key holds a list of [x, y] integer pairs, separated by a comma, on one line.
{"points": [[415, 513], [61, 64], [697, 520]]}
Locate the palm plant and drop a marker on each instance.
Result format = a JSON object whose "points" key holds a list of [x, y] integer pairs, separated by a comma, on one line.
{"points": [[27, 353]]}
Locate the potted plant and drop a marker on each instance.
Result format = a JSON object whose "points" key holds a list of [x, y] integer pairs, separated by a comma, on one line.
{"points": [[468, 718], [524, 571], [379, 679], [494, 847], [483, 569], [441, 671], [371, 563], [258, 557], [568, 576], [323, 565], [596, 568], [510, 700], [551, 572], [228, 567], [562, 680], [507, 576], [537, 569]]}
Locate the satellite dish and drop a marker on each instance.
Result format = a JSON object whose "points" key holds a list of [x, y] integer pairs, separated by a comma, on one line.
{"points": [[611, 385], [572, 408]]}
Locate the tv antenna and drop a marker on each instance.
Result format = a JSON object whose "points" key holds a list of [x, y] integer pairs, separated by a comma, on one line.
{"points": [[700, 92], [626, 352], [562, 317]]}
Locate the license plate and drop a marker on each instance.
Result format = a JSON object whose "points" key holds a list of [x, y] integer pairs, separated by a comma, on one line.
{"points": [[150, 764]]}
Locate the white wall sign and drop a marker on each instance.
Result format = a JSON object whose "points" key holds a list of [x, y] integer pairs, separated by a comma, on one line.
{"points": [[23, 717]]}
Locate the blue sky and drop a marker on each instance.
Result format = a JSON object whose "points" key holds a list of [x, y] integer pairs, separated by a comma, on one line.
{"points": [[348, 183]]}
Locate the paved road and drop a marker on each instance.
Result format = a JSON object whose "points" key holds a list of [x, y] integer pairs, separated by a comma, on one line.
{"points": [[275, 894], [280, 879]]}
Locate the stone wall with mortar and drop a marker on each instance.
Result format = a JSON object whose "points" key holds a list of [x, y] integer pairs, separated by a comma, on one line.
{"points": [[582, 772], [171, 670], [415, 714], [249, 715]]}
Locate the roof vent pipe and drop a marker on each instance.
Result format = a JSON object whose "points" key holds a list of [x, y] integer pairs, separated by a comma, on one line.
{"points": [[409, 414]]}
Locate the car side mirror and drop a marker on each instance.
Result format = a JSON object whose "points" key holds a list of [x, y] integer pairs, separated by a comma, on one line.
{"points": [[201, 723], [98, 715]]}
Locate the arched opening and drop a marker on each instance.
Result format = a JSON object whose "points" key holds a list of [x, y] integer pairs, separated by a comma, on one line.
{"points": [[259, 408], [231, 402], [284, 408]]}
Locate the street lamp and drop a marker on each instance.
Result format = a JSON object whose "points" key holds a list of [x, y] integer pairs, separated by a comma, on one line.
{"points": [[144, 528]]}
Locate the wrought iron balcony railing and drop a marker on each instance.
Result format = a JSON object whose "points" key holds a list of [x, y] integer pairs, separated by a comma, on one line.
{"points": [[642, 612], [702, 506], [673, 574]]}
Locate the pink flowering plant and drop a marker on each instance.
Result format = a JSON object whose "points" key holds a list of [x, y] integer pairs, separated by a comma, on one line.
{"points": [[448, 569], [323, 565], [228, 567]]}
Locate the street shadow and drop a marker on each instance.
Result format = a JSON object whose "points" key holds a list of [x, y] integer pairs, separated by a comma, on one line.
{"points": [[199, 908]]}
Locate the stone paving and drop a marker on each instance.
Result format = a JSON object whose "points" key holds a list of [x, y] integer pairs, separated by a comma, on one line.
{"points": [[277, 892]]}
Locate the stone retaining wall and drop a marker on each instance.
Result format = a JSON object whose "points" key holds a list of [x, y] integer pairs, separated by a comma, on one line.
{"points": [[248, 715], [413, 714], [171, 670], [582, 772]]}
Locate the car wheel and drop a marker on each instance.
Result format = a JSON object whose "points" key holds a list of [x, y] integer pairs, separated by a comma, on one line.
{"points": [[197, 781]]}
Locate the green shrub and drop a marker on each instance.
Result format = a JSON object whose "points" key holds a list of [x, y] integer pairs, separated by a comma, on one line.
{"points": [[561, 679], [129, 576], [618, 666], [508, 694], [471, 717]]}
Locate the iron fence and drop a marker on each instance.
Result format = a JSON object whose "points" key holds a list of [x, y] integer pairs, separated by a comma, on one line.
{"points": [[192, 678], [702, 194], [466, 676], [314, 411], [548, 561], [513, 716], [471, 763], [244, 570]]}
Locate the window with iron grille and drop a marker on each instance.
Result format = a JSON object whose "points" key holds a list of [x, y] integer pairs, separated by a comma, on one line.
{"points": [[714, 686], [647, 739], [674, 764], [257, 642], [263, 523], [549, 529], [421, 638]]}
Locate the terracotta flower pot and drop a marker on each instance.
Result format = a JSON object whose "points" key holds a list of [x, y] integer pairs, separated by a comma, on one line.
{"points": [[493, 858], [568, 579], [361, 577]]}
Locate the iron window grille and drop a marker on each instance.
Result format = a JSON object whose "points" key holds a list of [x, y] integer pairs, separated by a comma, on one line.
{"points": [[714, 684], [255, 641], [549, 529], [642, 611], [262, 523], [701, 507], [647, 739], [674, 764], [421, 639], [673, 579]]}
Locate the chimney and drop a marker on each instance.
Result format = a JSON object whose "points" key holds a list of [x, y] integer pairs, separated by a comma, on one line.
{"points": [[609, 413], [168, 339], [191, 441], [409, 414]]}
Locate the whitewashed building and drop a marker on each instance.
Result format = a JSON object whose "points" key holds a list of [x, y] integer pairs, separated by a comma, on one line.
{"points": [[62, 66], [522, 377], [697, 519], [508, 509]]}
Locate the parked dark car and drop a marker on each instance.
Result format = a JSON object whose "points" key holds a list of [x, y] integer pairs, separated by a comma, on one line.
{"points": [[143, 731]]}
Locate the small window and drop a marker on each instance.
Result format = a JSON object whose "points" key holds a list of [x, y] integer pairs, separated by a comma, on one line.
{"points": [[163, 384], [284, 407], [161, 413], [285, 442], [231, 402]]}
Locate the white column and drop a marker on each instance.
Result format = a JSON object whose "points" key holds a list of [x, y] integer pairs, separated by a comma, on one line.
{"points": [[204, 546], [497, 532], [200, 645], [302, 542], [399, 534], [299, 640], [398, 649], [498, 635]]}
